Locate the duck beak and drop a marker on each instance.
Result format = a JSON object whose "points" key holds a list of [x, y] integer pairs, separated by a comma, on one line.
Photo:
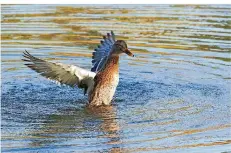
{"points": [[129, 53]]}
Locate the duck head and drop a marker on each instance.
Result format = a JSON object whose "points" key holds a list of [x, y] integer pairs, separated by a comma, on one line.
{"points": [[120, 47]]}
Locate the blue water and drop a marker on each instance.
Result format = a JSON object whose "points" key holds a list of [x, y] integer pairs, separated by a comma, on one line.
{"points": [[174, 96]]}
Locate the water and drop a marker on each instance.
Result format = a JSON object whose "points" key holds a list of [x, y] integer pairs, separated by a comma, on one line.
{"points": [[174, 96]]}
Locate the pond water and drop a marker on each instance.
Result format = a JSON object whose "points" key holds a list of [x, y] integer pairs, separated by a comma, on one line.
{"points": [[174, 96]]}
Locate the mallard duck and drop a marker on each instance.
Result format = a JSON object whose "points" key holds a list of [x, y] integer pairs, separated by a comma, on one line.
{"points": [[100, 83]]}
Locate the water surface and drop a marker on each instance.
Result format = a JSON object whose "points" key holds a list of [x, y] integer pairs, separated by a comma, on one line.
{"points": [[174, 96]]}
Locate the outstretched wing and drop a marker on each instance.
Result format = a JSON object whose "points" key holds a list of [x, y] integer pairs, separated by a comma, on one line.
{"points": [[99, 56], [65, 74]]}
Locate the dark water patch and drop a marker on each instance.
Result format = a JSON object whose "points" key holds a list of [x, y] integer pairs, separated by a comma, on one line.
{"points": [[220, 58]]}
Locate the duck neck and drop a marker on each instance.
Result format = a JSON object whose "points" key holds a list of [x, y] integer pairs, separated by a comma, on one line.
{"points": [[112, 63], [113, 60]]}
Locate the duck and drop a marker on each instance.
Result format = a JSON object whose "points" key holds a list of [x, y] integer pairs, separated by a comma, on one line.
{"points": [[99, 83]]}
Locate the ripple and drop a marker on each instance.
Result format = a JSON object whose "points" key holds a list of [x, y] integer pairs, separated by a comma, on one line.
{"points": [[172, 97]]}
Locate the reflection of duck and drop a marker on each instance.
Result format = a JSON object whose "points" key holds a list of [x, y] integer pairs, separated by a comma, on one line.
{"points": [[77, 126], [100, 83], [109, 126]]}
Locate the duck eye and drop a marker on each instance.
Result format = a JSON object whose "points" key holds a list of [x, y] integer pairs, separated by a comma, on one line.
{"points": [[120, 47]]}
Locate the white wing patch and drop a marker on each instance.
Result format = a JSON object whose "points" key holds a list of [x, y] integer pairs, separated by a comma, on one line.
{"points": [[62, 73]]}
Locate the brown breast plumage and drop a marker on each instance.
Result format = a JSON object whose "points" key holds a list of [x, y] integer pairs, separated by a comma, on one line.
{"points": [[106, 82]]}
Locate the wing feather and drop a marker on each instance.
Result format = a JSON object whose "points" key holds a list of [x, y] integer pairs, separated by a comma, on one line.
{"points": [[99, 56], [65, 74]]}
